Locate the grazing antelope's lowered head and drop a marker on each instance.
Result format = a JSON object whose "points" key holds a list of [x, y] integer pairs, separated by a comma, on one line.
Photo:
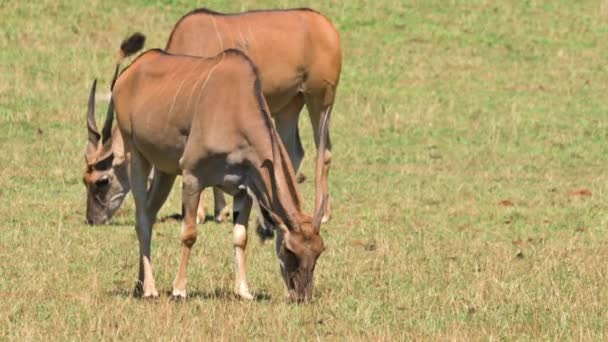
{"points": [[298, 242], [106, 175], [298, 250]]}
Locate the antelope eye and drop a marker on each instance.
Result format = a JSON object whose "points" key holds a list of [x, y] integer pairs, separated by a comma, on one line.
{"points": [[102, 182]]}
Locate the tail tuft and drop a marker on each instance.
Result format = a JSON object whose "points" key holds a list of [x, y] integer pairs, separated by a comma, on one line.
{"points": [[264, 231], [132, 44]]}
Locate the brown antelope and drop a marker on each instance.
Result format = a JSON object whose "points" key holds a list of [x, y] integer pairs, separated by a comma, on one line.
{"points": [[206, 119], [106, 174], [298, 55], [299, 58]]}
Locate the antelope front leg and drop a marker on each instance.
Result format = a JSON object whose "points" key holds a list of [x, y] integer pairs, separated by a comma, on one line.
{"points": [[140, 169], [242, 208], [190, 199]]}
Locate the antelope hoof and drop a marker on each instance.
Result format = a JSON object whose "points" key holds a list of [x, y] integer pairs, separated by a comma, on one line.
{"points": [[178, 294], [223, 215], [243, 293], [150, 293], [138, 291], [142, 291]]}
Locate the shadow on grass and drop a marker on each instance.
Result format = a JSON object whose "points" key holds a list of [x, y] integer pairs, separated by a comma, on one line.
{"points": [[172, 217], [179, 217], [218, 294], [221, 293], [121, 293], [127, 221]]}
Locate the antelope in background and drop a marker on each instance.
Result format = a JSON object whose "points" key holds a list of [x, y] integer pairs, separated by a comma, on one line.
{"points": [[299, 59], [206, 119], [298, 55]]}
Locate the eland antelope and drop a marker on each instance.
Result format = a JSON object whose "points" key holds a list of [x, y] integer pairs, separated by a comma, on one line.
{"points": [[298, 55], [299, 58], [106, 174], [206, 119]]}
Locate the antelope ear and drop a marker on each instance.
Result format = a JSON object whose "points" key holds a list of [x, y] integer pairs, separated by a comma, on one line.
{"points": [[316, 223]]}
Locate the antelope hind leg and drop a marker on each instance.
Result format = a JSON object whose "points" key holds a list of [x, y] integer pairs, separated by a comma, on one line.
{"points": [[140, 169], [242, 209], [191, 193], [286, 121], [158, 192]]}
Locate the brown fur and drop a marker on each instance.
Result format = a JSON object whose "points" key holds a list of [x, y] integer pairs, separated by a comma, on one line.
{"points": [[299, 58], [206, 119]]}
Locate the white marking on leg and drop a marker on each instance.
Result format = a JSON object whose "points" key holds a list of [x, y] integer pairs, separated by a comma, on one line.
{"points": [[179, 293], [239, 239], [149, 286]]}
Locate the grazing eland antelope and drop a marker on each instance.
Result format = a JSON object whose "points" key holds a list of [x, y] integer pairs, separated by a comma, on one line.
{"points": [[298, 55], [206, 119], [106, 174]]}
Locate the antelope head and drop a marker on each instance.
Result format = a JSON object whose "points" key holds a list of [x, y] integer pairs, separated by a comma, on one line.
{"points": [[106, 174], [300, 244], [298, 250]]}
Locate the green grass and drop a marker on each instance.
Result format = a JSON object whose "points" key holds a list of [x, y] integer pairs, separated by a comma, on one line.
{"points": [[462, 133]]}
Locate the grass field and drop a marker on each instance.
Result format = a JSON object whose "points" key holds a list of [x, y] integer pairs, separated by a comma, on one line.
{"points": [[468, 181]]}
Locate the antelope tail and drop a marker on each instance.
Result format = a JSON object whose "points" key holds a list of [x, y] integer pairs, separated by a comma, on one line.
{"points": [[128, 47]]}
